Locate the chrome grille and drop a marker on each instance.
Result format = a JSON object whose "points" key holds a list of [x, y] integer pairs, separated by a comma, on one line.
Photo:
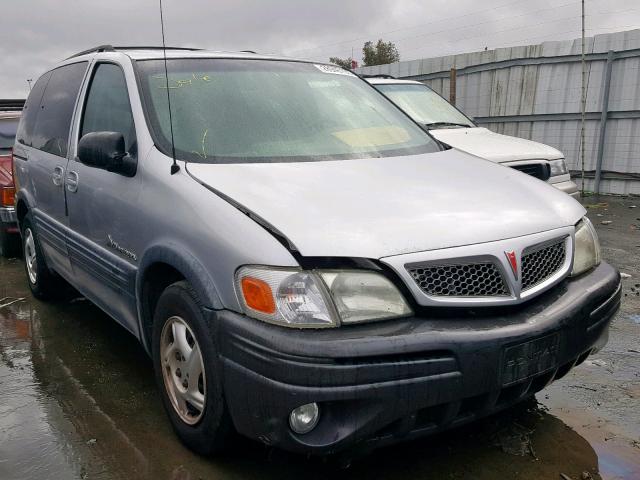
{"points": [[541, 262], [460, 280]]}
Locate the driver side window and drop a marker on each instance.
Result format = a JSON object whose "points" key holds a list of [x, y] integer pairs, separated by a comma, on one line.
{"points": [[107, 107]]}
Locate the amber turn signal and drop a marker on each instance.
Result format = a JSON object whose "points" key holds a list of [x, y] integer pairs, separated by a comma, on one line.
{"points": [[257, 295]]}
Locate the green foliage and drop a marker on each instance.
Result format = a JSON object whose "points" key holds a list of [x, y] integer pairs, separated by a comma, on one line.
{"points": [[343, 62], [379, 54]]}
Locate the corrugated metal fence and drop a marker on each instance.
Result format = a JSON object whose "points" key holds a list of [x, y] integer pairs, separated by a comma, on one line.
{"points": [[534, 92]]}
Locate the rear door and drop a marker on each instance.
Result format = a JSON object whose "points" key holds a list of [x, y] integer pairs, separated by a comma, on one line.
{"points": [[103, 213], [45, 136]]}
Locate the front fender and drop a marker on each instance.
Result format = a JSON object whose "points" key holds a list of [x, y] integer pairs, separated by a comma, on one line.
{"points": [[188, 266]]}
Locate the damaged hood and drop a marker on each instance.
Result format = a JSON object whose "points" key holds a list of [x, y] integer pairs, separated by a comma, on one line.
{"points": [[493, 146], [379, 207]]}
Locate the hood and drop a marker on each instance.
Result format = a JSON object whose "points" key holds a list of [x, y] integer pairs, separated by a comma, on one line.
{"points": [[495, 147], [388, 206]]}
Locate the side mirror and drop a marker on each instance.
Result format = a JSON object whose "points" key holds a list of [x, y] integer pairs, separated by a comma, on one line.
{"points": [[105, 150]]}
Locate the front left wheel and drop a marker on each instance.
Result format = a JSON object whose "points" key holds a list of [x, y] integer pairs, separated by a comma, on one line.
{"points": [[187, 371]]}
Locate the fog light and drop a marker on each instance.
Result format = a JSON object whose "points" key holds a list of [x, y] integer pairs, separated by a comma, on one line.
{"points": [[304, 418]]}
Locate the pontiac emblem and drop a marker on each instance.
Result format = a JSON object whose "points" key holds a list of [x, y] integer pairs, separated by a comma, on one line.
{"points": [[513, 261]]}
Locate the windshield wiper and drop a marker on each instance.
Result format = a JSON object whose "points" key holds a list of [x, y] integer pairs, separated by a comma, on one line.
{"points": [[446, 124]]}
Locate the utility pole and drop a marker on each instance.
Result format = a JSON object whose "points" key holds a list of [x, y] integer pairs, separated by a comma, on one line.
{"points": [[583, 103], [452, 85], [29, 80]]}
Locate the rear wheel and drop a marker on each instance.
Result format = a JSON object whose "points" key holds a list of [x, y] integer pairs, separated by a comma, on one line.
{"points": [[9, 243], [187, 371], [44, 284]]}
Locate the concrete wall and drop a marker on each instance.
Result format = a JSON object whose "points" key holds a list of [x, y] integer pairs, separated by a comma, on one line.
{"points": [[534, 92]]}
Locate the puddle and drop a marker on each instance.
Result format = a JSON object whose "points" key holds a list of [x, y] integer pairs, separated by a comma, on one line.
{"points": [[635, 319]]}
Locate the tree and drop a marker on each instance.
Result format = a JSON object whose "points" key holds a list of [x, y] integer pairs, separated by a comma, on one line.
{"points": [[379, 54], [343, 62]]}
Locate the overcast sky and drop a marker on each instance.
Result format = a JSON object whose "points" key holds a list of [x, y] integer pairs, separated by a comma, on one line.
{"points": [[35, 34]]}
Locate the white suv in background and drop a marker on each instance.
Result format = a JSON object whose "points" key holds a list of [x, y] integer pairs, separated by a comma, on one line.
{"points": [[451, 126]]}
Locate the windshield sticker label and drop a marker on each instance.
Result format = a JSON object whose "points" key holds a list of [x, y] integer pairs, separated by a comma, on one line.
{"points": [[333, 69], [324, 83]]}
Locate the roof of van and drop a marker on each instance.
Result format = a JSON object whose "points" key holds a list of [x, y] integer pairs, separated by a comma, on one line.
{"points": [[157, 52]]}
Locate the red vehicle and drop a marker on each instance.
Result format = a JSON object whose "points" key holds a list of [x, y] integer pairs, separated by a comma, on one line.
{"points": [[9, 234]]}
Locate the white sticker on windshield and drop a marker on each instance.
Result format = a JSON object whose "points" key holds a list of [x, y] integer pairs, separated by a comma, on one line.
{"points": [[323, 84], [333, 69]]}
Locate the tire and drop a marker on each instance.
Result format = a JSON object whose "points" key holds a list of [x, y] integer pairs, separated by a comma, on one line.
{"points": [[178, 327], [9, 243], [44, 283]]}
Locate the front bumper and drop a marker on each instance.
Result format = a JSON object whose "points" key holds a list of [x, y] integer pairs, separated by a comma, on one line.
{"points": [[390, 381]]}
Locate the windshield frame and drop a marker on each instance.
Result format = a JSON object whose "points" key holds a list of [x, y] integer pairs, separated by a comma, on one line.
{"points": [[165, 147], [423, 85]]}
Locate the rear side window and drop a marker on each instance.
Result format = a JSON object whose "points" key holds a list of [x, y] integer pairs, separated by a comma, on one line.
{"points": [[107, 108], [51, 132], [30, 111], [8, 128]]}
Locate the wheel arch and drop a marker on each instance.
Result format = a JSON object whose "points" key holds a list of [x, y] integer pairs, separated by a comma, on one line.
{"points": [[160, 266], [23, 205]]}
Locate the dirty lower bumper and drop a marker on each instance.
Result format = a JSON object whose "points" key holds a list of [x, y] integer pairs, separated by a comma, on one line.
{"points": [[391, 381]]}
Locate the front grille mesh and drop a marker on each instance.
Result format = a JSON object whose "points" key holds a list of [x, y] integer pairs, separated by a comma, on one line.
{"points": [[460, 280], [538, 264]]}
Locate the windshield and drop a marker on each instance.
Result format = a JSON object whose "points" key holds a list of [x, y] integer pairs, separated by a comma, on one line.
{"points": [[241, 111], [424, 105], [8, 127]]}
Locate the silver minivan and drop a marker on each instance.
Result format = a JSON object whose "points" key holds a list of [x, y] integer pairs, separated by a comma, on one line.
{"points": [[305, 265]]}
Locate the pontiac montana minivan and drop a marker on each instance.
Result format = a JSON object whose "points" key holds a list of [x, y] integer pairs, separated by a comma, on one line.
{"points": [[304, 264], [449, 125]]}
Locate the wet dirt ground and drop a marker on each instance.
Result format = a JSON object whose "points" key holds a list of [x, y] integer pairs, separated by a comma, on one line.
{"points": [[77, 401]]}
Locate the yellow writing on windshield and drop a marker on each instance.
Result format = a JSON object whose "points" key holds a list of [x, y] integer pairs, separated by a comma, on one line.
{"points": [[373, 136], [182, 82]]}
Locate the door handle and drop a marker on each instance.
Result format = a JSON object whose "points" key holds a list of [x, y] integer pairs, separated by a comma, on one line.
{"points": [[57, 176], [72, 181]]}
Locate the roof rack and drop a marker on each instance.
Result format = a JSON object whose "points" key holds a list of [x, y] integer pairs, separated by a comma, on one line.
{"points": [[101, 48], [11, 105], [111, 48], [379, 75]]}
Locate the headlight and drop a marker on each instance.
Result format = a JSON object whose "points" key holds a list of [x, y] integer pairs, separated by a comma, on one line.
{"points": [[319, 298], [558, 167], [586, 254], [361, 296]]}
